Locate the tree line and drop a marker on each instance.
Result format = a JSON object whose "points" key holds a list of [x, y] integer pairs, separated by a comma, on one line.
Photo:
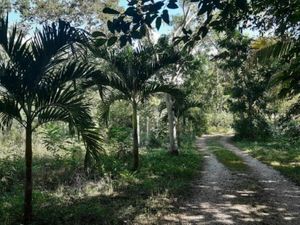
{"points": [[46, 78]]}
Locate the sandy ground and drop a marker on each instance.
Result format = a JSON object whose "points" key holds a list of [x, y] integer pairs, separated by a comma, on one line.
{"points": [[219, 196]]}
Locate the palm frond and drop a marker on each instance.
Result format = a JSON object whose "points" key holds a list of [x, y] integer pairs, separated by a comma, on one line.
{"points": [[11, 82], [181, 107], [53, 45], [92, 141], [289, 83], [163, 60], [15, 46], [288, 79], [108, 101], [69, 71], [100, 78], [292, 114], [154, 87], [68, 106], [54, 39], [8, 111], [100, 53], [272, 50], [57, 104]]}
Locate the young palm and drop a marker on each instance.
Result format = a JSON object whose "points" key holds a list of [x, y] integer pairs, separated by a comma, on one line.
{"points": [[37, 86], [133, 76]]}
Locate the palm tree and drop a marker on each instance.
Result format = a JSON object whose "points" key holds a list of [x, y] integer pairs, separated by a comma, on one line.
{"points": [[181, 110], [172, 128], [286, 79], [37, 86], [164, 45], [133, 76], [285, 52]]}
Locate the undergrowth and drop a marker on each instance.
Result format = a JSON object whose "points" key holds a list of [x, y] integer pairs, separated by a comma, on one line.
{"points": [[283, 155], [111, 194]]}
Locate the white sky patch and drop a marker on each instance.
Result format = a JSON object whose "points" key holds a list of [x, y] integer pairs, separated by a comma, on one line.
{"points": [[155, 35]]}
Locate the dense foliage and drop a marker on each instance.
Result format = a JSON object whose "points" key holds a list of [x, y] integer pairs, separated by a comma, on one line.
{"points": [[95, 108]]}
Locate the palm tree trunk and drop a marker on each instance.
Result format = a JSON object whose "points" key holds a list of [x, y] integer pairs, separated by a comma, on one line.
{"points": [[138, 129], [28, 177], [178, 132], [173, 147], [147, 131], [135, 150], [86, 162], [183, 124]]}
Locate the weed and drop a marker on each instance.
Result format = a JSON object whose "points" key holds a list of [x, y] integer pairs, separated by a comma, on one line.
{"points": [[225, 156], [281, 154]]}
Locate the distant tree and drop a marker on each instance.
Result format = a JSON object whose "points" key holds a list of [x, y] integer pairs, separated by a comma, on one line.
{"points": [[249, 91], [285, 81], [5, 6], [87, 14], [182, 107], [172, 74], [249, 103], [37, 86], [133, 76]]}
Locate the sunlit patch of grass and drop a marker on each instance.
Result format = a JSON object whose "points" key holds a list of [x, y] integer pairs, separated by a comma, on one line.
{"points": [[281, 154], [225, 156]]}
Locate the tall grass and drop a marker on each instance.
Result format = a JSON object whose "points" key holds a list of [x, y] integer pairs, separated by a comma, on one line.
{"points": [[111, 194], [283, 155]]}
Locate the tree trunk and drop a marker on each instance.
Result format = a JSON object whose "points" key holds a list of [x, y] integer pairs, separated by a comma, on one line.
{"points": [[87, 160], [28, 177], [183, 124], [135, 150], [147, 131], [178, 132], [138, 130], [173, 147]]}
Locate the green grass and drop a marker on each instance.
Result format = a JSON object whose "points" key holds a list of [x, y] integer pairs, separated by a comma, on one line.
{"points": [[226, 157], [281, 154], [111, 195]]}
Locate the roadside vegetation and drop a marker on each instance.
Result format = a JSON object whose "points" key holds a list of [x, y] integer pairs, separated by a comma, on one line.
{"points": [[100, 104], [282, 154], [63, 194]]}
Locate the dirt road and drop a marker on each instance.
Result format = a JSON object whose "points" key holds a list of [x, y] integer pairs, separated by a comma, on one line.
{"points": [[219, 196]]}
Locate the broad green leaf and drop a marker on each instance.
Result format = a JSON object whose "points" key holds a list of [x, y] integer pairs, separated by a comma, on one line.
{"points": [[111, 41], [172, 4], [165, 16], [123, 41], [98, 34], [131, 11], [158, 22], [108, 10], [100, 41], [110, 26]]}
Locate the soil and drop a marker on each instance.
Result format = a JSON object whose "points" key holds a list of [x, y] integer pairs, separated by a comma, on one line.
{"points": [[260, 195]]}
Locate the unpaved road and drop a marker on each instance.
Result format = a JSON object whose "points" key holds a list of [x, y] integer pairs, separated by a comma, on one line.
{"points": [[219, 196]]}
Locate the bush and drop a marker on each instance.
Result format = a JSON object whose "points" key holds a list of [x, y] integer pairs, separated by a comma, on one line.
{"points": [[291, 129], [154, 141], [64, 195], [220, 122], [120, 139], [252, 128]]}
